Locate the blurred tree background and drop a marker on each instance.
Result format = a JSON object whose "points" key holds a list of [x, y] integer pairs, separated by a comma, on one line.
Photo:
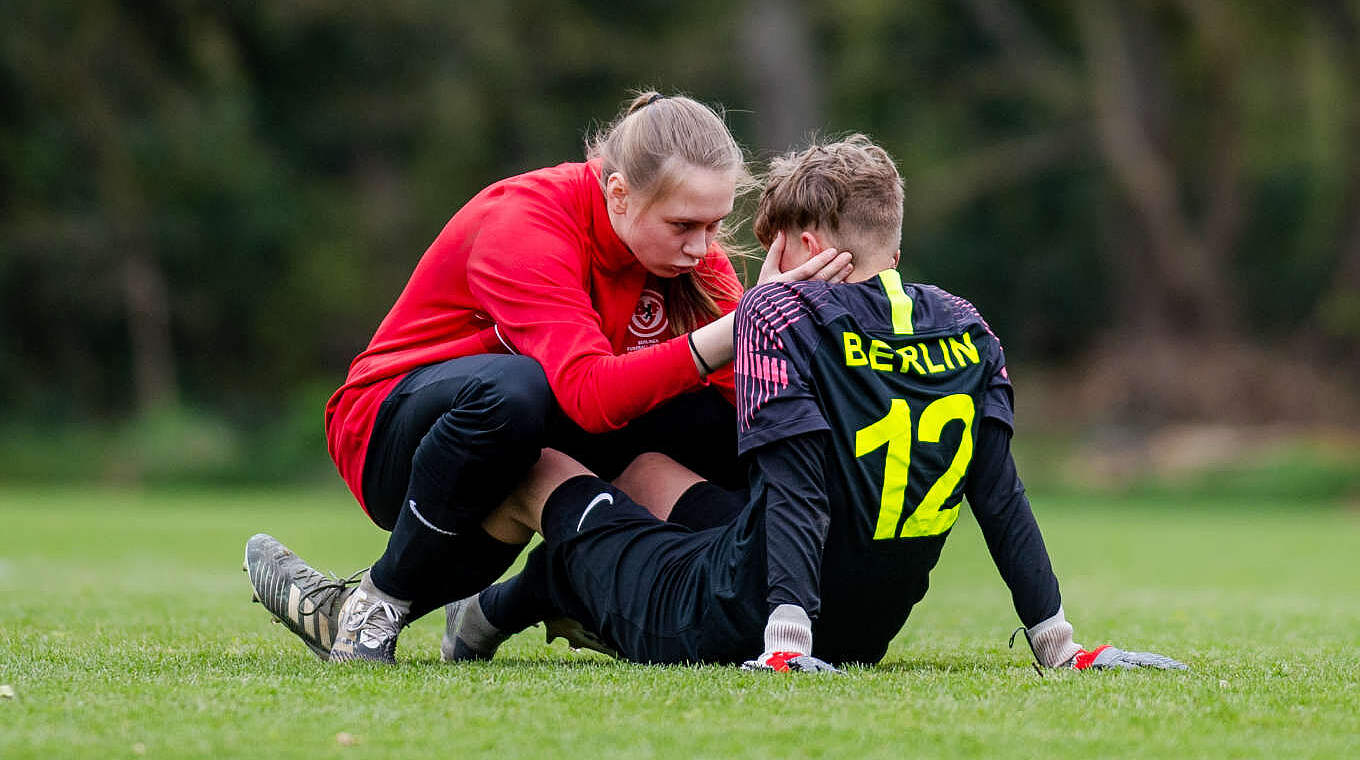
{"points": [[206, 208]]}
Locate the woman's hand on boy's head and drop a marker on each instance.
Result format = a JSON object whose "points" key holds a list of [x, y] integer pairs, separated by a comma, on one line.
{"points": [[774, 259], [829, 265]]}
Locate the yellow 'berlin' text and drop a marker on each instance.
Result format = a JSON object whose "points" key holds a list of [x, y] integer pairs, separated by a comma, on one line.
{"points": [[921, 357]]}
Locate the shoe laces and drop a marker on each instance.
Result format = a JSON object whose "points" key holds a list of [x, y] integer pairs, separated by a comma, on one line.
{"points": [[387, 624], [325, 592], [1034, 662]]}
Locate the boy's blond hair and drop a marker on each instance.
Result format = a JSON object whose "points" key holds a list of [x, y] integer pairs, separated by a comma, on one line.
{"points": [[850, 191]]}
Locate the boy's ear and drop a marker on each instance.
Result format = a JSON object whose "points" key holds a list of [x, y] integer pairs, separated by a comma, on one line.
{"points": [[897, 256], [811, 243]]}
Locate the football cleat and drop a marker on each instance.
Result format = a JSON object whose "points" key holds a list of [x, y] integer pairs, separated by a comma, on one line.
{"points": [[368, 626], [790, 662], [306, 601], [1112, 658], [468, 635]]}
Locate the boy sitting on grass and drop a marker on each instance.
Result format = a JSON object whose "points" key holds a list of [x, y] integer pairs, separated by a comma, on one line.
{"points": [[867, 411]]}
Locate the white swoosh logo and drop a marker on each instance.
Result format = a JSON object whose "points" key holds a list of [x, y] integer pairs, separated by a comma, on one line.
{"points": [[601, 498]]}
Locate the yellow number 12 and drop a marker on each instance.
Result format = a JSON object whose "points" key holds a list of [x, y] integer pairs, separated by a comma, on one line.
{"points": [[894, 429]]}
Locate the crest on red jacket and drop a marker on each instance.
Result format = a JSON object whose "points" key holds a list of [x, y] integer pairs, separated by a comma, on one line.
{"points": [[649, 318]]}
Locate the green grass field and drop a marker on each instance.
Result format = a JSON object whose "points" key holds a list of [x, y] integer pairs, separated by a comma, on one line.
{"points": [[126, 631]]}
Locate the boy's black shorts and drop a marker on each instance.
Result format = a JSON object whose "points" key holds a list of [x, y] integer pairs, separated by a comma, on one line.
{"points": [[642, 584]]}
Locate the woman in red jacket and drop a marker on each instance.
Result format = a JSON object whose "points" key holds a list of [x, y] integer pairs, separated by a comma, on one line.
{"points": [[580, 307]]}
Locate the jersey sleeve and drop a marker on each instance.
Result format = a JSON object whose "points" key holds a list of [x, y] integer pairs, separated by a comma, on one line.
{"points": [[789, 477], [527, 270], [775, 399], [997, 498], [998, 396], [998, 399]]}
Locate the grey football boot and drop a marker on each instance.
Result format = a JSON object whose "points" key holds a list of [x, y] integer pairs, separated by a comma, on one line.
{"points": [[369, 624], [468, 635], [306, 601], [1113, 658]]}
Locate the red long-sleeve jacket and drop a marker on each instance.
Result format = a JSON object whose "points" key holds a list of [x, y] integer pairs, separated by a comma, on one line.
{"points": [[530, 265]]}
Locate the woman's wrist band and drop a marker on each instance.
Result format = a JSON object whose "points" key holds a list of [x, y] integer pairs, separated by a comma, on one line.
{"points": [[700, 357]]}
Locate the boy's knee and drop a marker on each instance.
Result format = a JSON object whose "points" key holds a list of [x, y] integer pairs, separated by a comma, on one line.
{"points": [[647, 465]]}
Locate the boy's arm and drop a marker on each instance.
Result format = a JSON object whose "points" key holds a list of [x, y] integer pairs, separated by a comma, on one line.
{"points": [[790, 477], [998, 500], [783, 434]]}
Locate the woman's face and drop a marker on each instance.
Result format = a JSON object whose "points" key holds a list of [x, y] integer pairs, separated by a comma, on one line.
{"points": [[670, 234]]}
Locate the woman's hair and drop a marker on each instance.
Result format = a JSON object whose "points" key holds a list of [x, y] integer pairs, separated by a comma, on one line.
{"points": [[850, 189], [649, 143]]}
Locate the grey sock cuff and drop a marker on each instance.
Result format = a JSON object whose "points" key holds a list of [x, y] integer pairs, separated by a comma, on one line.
{"points": [[371, 590], [1052, 640], [789, 629]]}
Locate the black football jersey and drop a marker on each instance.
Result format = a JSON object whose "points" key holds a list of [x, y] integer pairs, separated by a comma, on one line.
{"points": [[898, 377]]}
